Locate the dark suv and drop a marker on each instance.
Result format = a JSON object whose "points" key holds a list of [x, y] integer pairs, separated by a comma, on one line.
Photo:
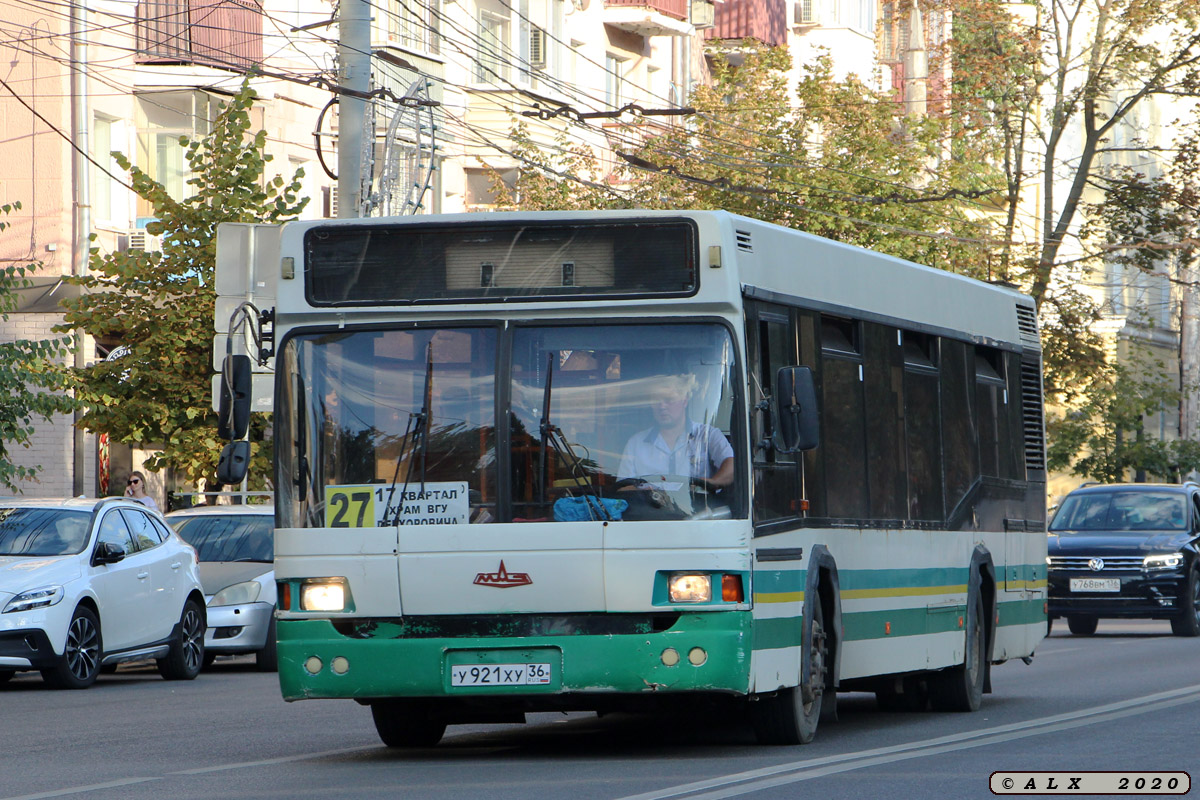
{"points": [[1127, 550]]}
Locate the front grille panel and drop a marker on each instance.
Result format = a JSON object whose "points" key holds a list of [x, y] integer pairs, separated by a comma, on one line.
{"points": [[1111, 564]]}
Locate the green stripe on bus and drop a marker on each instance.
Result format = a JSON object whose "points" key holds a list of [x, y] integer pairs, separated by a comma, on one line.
{"points": [[863, 625]]}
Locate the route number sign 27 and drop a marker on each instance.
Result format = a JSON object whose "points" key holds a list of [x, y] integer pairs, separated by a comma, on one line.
{"points": [[376, 505]]}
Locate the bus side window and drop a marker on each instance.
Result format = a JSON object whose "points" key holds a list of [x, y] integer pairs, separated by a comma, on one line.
{"points": [[843, 418], [960, 446], [776, 476]]}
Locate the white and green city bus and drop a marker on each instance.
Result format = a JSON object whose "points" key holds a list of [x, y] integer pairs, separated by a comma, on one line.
{"points": [[850, 497]]}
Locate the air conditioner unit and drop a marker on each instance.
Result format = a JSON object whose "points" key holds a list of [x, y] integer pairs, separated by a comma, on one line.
{"points": [[138, 239], [537, 47], [805, 12]]}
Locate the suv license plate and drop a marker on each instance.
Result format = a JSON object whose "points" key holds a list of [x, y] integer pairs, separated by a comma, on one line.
{"points": [[1095, 584], [499, 674]]}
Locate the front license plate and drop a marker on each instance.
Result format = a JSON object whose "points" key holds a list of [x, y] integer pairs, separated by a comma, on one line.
{"points": [[1095, 584], [500, 675]]}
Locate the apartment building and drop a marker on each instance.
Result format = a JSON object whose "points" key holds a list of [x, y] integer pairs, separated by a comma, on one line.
{"points": [[134, 75]]}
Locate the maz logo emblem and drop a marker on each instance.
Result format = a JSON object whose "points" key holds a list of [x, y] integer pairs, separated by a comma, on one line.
{"points": [[503, 579]]}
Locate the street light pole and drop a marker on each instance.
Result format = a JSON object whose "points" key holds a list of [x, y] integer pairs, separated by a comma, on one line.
{"points": [[81, 218]]}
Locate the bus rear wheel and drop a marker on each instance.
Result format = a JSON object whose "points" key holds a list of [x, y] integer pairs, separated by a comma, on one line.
{"points": [[785, 717], [406, 724], [961, 688]]}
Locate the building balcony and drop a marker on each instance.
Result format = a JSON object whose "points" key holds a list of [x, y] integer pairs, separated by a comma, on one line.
{"points": [[649, 17], [214, 33], [762, 20]]}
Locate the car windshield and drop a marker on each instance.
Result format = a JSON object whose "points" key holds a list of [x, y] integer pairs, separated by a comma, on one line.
{"points": [[228, 537], [1121, 511], [42, 531]]}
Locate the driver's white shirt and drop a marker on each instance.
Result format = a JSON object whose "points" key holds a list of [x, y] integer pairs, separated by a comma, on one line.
{"points": [[698, 454]]}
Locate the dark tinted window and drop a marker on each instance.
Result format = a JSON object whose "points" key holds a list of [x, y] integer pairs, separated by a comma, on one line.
{"points": [[958, 429], [228, 537], [885, 422], [922, 428], [42, 531], [843, 433]]}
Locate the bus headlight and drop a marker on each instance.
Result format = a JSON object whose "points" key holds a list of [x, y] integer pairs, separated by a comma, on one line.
{"points": [[323, 594], [690, 587]]}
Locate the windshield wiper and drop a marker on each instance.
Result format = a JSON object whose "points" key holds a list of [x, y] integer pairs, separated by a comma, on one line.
{"points": [[418, 428], [552, 436]]}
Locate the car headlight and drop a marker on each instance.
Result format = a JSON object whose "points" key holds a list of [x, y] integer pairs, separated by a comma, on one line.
{"points": [[1165, 561], [690, 588], [237, 594], [34, 598], [324, 594]]}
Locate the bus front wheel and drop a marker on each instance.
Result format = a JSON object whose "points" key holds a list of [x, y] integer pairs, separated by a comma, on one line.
{"points": [[406, 724], [785, 717]]}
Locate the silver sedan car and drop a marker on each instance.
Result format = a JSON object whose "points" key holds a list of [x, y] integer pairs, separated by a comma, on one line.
{"points": [[235, 545]]}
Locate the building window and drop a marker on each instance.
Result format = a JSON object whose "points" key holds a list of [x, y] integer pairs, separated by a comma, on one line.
{"points": [[480, 194], [414, 26], [492, 66], [165, 117], [614, 76], [108, 134]]}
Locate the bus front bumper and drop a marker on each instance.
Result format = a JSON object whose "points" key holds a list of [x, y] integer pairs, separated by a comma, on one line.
{"points": [[705, 652]]}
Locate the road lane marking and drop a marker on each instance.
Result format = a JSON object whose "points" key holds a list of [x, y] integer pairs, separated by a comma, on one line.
{"points": [[796, 771], [269, 761], [78, 789]]}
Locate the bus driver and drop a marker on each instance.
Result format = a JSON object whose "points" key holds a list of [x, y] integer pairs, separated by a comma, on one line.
{"points": [[676, 445]]}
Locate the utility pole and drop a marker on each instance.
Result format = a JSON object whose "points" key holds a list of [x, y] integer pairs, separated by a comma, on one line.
{"points": [[1189, 348], [81, 217], [354, 73]]}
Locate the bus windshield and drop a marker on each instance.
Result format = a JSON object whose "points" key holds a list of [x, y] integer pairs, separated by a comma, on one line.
{"points": [[604, 422]]}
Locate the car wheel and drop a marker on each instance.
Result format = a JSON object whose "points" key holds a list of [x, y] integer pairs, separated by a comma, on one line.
{"points": [[1188, 624], [1082, 625], [960, 688], [406, 724], [79, 665], [186, 656], [6, 675], [267, 660], [785, 718]]}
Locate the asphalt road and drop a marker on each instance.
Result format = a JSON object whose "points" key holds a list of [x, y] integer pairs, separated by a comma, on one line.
{"points": [[1126, 699]]}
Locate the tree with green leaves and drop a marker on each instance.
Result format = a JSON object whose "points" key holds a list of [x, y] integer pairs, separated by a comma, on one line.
{"points": [[31, 383], [1105, 438], [843, 162], [160, 305]]}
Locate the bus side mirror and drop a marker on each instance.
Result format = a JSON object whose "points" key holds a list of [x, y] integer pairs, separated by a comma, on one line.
{"points": [[796, 408], [233, 414], [234, 463]]}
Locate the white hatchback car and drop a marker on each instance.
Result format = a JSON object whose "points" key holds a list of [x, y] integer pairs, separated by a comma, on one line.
{"points": [[86, 584], [235, 545]]}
